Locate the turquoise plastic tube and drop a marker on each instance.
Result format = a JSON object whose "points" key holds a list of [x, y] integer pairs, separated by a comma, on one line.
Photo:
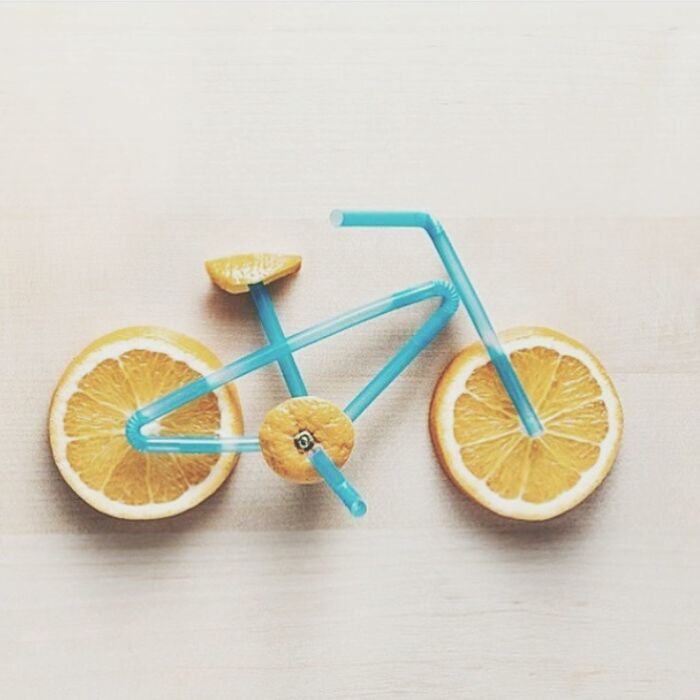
{"points": [[323, 464], [280, 350], [273, 330], [455, 269], [272, 352], [334, 478], [412, 348]]}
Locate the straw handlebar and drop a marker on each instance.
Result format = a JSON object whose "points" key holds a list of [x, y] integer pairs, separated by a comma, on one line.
{"points": [[388, 219], [455, 269]]}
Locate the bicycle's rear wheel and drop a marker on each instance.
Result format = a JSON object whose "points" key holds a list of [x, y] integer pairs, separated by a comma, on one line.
{"points": [[110, 379]]}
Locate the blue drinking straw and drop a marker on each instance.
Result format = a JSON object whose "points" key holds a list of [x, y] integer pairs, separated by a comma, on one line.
{"points": [[282, 347], [280, 350], [339, 484], [455, 269], [272, 327], [198, 444]]}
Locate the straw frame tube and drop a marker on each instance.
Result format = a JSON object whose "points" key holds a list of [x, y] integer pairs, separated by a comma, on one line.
{"points": [[272, 352]]}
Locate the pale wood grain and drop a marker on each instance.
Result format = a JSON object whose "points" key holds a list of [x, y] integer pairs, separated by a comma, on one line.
{"points": [[560, 146]]}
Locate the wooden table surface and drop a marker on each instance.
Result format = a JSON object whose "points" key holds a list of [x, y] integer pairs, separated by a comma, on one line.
{"points": [[559, 144]]}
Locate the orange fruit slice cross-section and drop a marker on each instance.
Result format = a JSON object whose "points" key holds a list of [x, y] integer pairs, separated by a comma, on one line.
{"points": [[482, 447], [102, 387]]}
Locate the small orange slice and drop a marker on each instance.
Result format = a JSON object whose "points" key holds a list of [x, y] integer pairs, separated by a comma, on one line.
{"points": [[482, 447], [324, 423], [102, 387], [235, 274]]}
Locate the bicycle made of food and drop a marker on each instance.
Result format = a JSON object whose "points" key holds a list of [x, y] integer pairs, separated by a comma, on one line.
{"points": [[146, 423]]}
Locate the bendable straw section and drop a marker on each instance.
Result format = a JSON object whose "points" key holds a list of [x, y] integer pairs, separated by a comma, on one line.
{"points": [[340, 485], [413, 346], [510, 380]]}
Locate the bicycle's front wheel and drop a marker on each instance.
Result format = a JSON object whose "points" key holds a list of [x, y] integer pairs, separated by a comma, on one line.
{"points": [[484, 449], [109, 380]]}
